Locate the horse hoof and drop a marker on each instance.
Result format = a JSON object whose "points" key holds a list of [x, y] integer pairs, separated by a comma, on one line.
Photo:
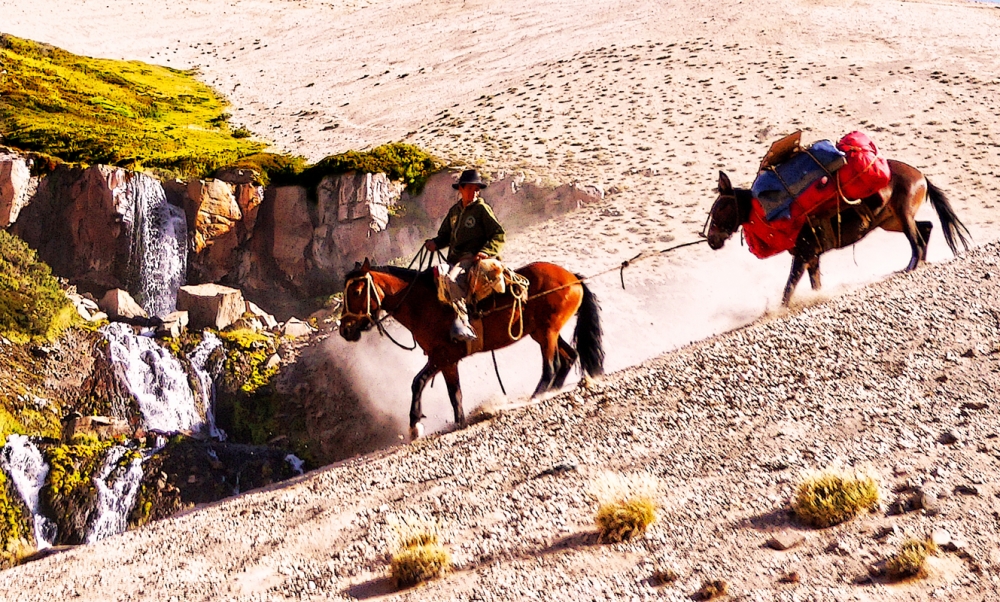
{"points": [[416, 431]]}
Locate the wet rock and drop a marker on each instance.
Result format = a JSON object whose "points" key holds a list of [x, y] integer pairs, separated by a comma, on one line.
{"points": [[784, 540], [103, 427], [174, 324], [211, 305], [117, 303]]}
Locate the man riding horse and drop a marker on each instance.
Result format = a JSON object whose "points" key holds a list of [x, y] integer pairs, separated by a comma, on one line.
{"points": [[471, 233]]}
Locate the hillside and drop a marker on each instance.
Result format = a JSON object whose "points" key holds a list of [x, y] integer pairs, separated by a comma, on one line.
{"points": [[898, 377]]}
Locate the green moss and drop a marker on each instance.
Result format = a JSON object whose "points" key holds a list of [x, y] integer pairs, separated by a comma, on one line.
{"points": [[9, 425], [32, 305], [127, 113], [245, 339], [272, 168], [69, 491], [401, 162], [15, 524]]}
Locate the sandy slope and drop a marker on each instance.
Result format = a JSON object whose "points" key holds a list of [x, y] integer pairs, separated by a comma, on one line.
{"points": [[647, 99]]}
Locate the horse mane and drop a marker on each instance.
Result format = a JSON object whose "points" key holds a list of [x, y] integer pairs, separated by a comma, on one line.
{"points": [[398, 272]]}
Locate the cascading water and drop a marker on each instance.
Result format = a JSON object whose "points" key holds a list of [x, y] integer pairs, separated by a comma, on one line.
{"points": [[156, 380], [199, 360], [117, 490], [24, 463], [158, 257]]}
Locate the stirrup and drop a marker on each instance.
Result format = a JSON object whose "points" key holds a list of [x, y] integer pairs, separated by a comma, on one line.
{"points": [[461, 332]]}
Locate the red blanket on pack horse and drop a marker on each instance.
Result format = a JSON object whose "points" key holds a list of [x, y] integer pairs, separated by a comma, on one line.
{"points": [[863, 173]]}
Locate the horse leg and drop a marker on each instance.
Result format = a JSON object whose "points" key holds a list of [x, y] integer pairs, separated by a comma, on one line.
{"points": [[798, 268], [924, 231], [814, 278], [450, 374], [548, 345], [419, 382], [918, 247], [567, 357]]}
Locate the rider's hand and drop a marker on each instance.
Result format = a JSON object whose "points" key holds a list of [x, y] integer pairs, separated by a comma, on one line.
{"points": [[430, 245], [481, 255]]}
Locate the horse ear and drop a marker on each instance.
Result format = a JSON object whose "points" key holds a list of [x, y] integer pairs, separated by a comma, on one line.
{"points": [[725, 187], [366, 266]]}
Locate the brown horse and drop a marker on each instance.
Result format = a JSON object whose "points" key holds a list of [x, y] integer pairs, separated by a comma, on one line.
{"points": [[410, 297], [892, 208]]}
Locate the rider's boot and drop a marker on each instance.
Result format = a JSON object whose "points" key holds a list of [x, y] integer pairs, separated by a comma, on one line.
{"points": [[461, 330]]}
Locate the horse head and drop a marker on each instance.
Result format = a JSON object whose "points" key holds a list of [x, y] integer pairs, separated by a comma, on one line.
{"points": [[725, 218], [362, 301]]}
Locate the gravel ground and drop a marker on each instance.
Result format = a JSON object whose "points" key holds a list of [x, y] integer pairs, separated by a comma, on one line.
{"points": [[898, 378]]}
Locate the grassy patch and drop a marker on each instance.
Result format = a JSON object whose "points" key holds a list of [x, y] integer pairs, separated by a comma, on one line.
{"points": [[69, 491], [623, 520], [420, 557], [127, 113], [911, 560], [32, 305], [15, 524], [833, 496], [711, 589], [626, 506]]}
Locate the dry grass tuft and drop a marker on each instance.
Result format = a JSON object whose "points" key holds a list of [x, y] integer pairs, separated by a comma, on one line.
{"points": [[625, 505], [625, 519], [711, 589], [833, 496], [419, 557], [910, 560], [663, 576]]}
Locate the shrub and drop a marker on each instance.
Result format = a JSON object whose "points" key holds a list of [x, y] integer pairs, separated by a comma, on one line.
{"points": [[711, 589], [32, 305], [402, 162], [625, 519], [910, 560], [420, 558], [625, 505], [831, 497], [69, 492]]}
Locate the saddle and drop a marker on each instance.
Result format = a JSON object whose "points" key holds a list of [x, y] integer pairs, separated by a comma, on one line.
{"points": [[486, 277]]}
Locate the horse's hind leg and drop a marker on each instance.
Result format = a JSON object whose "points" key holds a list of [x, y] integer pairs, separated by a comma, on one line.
{"points": [[924, 231], [450, 374], [567, 357], [419, 382], [814, 278]]}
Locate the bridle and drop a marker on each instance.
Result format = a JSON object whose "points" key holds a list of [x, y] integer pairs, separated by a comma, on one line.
{"points": [[711, 212], [371, 290]]}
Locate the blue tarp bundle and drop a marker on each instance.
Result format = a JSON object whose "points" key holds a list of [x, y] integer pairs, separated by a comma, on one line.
{"points": [[777, 186]]}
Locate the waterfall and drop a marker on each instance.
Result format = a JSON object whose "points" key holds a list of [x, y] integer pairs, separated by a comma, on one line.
{"points": [[295, 462], [158, 256], [156, 380], [199, 358], [24, 463], [117, 491]]}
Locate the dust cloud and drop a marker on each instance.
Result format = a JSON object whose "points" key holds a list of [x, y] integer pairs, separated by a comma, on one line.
{"points": [[669, 301]]}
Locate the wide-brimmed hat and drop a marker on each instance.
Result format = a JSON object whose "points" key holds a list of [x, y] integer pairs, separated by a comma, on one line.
{"points": [[469, 176]]}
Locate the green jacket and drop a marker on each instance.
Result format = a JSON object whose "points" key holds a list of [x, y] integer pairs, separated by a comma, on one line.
{"points": [[470, 230]]}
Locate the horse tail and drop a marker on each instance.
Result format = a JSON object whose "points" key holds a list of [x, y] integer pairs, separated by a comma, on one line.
{"points": [[588, 334], [951, 227]]}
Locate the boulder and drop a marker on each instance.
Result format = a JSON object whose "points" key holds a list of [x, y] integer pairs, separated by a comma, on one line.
{"points": [[296, 328], [174, 324], [211, 305], [86, 307], [266, 319], [119, 304], [16, 187], [292, 231]]}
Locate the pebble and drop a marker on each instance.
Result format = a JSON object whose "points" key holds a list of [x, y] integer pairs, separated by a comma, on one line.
{"points": [[785, 540]]}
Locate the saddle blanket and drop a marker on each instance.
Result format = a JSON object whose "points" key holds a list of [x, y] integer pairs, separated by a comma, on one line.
{"points": [[863, 174]]}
